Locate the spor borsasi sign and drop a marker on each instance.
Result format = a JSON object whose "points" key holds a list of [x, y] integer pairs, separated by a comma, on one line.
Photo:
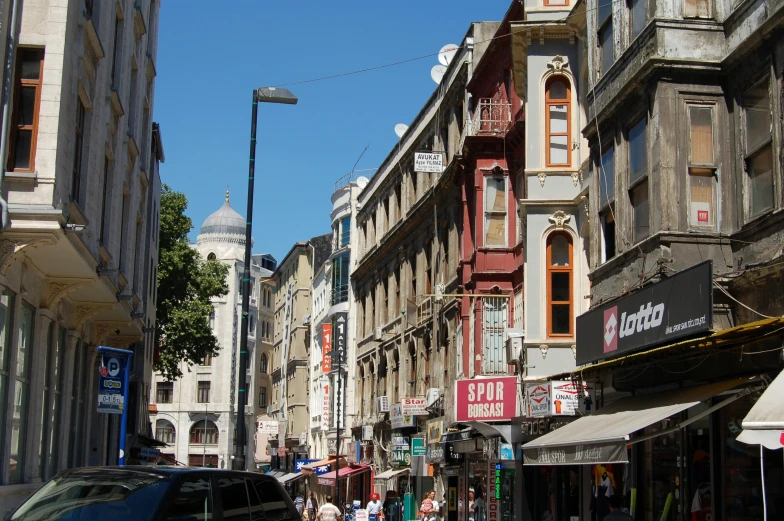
{"points": [[676, 307]]}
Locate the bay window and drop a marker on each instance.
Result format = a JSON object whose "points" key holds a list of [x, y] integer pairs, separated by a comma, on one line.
{"points": [[557, 121], [638, 180], [702, 167], [495, 211]]}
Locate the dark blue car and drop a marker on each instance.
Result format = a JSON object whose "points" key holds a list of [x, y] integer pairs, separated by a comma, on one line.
{"points": [[158, 493]]}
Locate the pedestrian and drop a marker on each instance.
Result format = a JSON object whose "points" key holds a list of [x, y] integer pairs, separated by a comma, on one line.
{"points": [[328, 511], [374, 507], [479, 505], [312, 506], [299, 502], [616, 514], [426, 508]]}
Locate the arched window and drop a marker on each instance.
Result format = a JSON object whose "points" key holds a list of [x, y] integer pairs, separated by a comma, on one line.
{"points": [[558, 121], [204, 432], [252, 325], [559, 284], [211, 256], [264, 364], [164, 431]]}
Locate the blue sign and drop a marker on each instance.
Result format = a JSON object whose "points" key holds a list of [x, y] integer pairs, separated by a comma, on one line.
{"points": [[298, 464], [111, 383]]}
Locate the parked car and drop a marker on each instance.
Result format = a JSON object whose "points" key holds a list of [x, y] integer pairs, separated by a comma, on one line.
{"points": [[157, 494]]}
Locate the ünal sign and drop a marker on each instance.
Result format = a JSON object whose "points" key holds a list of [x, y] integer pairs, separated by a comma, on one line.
{"points": [[486, 399], [679, 306]]}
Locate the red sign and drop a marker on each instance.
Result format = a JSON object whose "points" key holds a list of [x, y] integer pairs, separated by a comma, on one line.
{"points": [[702, 216], [486, 399], [326, 359]]}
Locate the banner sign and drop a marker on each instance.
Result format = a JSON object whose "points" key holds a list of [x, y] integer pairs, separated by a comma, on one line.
{"points": [[556, 398], [111, 383], [418, 447], [326, 347], [434, 430], [398, 419], [676, 307], [429, 162], [586, 454], [341, 334], [486, 399], [298, 464], [400, 450], [414, 406], [325, 404], [268, 427]]}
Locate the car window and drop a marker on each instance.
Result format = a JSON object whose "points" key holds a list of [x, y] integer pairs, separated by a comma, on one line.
{"points": [[256, 510], [192, 502], [234, 499], [272, 500]]}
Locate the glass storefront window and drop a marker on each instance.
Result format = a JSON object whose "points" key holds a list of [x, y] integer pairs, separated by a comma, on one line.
{"points": [[661, 486], [698, 501], [477, 490], [742, 496]]}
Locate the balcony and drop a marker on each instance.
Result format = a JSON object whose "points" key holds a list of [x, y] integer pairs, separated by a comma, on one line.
{"points": [[424, 311], [491, 117], [339, 294]]}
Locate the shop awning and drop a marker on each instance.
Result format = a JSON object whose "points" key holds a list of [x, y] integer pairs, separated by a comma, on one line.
{"points": [[276, 473], [453, 436], [389, 474], [508, 433], [602, 437], [764, 425], [292, 476], [310, 468], [328, 479]]}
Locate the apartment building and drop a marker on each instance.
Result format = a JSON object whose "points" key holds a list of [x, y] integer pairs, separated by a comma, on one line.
{"points": [[78, 242]]}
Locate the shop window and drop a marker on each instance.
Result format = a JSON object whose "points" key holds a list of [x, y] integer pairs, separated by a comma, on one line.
{"points": [[605, 39], [638, 180], [558, 121], [495, 211], [23, 133], [495, 312], [559, 284], [758, 149], [702, 167]]}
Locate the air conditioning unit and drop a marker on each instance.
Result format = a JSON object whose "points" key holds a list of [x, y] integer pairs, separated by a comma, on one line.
{"points": [[440, 290], [432, 396], [306, 320], [382, 404], [514, 344], [378, 334]]}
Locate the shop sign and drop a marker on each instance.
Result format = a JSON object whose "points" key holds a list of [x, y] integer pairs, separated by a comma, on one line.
{"points": [[149, 455], [367, 433], [486, 399], [453, 436], [451, 471], [507, 452], [401, 450], [491, 448], [112, 381], [466, 446], [543, 425], [341, 331], [676, 307], [429, 162], [450, 455], [303, 439], [418, 447], [354, 452], [494, 485], [268, 427], [326, 347], [332, 446], [585, 454], [398, 419], [537, 399], [361, 515], [435, 453], [414, 406], [325, 404], [434, 430], [557, 398]]}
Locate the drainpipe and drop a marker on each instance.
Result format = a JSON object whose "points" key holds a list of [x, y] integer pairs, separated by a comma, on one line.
{"points": [[8, 66]]}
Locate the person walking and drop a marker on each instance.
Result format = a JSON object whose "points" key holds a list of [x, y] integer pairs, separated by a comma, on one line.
{"points": [[374, 507], [299, 504], [616, 514], [329, 512], [312, 507]]}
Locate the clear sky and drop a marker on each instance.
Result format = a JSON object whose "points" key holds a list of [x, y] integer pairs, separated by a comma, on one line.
{"points": [[211, 55]]}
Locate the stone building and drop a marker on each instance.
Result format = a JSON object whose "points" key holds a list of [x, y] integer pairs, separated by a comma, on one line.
{"points": [[79, 236], [196, 415], [291, 349]]}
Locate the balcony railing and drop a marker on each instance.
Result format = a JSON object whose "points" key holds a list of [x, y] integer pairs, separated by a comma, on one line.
{"points": [[339, 294], [424, 310], [491, 117]]}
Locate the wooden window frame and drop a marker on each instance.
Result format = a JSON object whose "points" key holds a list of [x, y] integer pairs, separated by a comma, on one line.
{"points": [[486, 212], [19, 84], [710, 168], [76, 173], [750, 153], [556, 3], [549, 102], [633, 185], [550, 269], [601, 26]]}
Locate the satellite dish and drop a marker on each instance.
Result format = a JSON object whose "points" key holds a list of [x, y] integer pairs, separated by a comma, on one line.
{"points": [[401, 129], [362, 181], [447, 53], [437, 73]]}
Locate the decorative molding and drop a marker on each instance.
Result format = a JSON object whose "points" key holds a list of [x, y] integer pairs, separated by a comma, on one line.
{"points": [[542, 178], [103, 328], [560, 218], [85, 310], [584, 199], [543, 348], [574, 351], [57, 288], [124, 341], [11, 250], [558, 63], [575, 178]]}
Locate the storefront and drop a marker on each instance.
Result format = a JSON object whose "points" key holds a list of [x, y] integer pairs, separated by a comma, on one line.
{"points": [[353, 481]]}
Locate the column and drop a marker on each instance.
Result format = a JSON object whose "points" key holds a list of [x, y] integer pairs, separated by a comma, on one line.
{"points": [[66, 403], [37, 408]]}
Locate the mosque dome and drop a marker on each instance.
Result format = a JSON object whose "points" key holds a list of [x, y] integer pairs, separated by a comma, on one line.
{"points": [[226, 221]]}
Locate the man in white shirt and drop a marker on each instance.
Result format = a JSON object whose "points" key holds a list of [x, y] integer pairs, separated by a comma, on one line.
{"points": [[374, 507], [329, 512]]}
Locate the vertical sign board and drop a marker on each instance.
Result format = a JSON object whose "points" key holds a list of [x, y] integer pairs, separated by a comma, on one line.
{"points": [[325, 404], [112, 383], [326, 347], [341, 334]]}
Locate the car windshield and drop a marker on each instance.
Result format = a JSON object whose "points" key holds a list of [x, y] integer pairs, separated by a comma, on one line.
{"points": [[102, 495]]}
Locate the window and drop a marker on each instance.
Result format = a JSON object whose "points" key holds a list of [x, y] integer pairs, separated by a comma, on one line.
{"points": [[696, 9], [204, 432], [556, 2], [495, 211], [21, 394], [638, 180], [164, 431], [204, 392], [206, 361], [559, 284], [115, 49], [759, 148], [102, 237], [192, 501], [164, 392], [46, 397], [6, 323], [264, 364], [58, 377], [211, 256], [340, 278], [262, 396], [606, 201], [345, 231], [702, 167], [605, 34], [494, 321], [396, 307], [638, 16], [234, 499], [558, 119], [24, 119], [76, 181], [212, 319]]}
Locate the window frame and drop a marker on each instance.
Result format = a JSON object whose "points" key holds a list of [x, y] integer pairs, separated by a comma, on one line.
{"points": [[549, 102], [697, 168], [486, 212], [76, 172], [158, 392], [20, 84], [201, 390], [750, 153], [642, 179], [601, 27], [550, 270]]}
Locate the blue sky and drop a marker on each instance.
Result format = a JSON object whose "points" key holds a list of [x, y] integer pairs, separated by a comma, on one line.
{"points": [[210, 58]]}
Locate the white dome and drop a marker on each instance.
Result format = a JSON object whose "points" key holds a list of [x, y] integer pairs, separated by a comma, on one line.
{"points": [[226, 221]]}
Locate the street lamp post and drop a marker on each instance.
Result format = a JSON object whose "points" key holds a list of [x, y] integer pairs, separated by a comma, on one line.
{"points": [[260, 95]]}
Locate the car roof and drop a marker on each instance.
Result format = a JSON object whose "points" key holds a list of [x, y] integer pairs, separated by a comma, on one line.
{"points": [[163, 470]]}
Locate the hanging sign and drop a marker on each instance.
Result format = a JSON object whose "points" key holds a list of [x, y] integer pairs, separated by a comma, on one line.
{"points": [[325, 404], [400, 450], [326, 347], [486, 399], [397, 418], [429, 162], [418, 447], [341, 334], [414, 406], [268, 427], [111, 383]]}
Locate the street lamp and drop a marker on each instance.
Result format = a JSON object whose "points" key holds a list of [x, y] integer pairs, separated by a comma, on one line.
{"points": [[260, 95]]}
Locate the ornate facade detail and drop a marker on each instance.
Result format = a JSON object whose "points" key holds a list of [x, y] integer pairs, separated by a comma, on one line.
{"points": [[102, 329], [575, 178], [57, 288], [574, 351], [85, 310], [542, 178], [543, 348], [558, 63], [11, 250], [585, 206], [560, 218]]}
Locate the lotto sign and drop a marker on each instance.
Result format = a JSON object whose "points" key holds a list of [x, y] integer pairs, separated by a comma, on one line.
{"points": [[486, 399], [111, 383], [326, 359]]}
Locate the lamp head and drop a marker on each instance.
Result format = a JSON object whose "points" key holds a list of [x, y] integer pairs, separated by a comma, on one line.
{"points": [[275, 95]]}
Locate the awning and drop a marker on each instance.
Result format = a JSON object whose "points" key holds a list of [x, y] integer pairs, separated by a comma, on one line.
{"points": [[310, 468], [764, 425], [602, 437], [508, 433], [465, 434], [389, 474], [276, 473], [292, 476], [149, 442], [328, 479]]}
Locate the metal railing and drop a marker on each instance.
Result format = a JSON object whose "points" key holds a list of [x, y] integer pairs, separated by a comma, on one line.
{"points": [[338, 294], [491, 116]]}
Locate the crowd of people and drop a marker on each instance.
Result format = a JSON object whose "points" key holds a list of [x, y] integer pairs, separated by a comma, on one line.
{"points": [[429, 510]]}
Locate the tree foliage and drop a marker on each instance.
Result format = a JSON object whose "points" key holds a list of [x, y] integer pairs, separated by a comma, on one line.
{"points": [[186, 283]]}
